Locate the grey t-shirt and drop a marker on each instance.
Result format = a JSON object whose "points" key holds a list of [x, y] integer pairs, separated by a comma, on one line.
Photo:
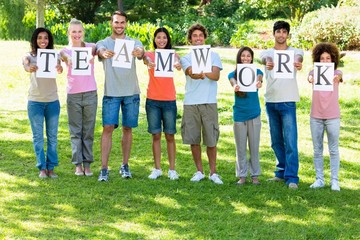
{"points": [[119, 82], [279, 89]]}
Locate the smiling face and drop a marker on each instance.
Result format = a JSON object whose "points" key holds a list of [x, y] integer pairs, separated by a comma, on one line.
{"points": [[76, 34], [161, 40], [246, 57], [42, 40], [281, 36], [118, 25], [197, 38], [325, 57]]}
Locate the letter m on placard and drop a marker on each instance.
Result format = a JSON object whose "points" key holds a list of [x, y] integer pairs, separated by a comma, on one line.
{"points": [[284, 64], [201, 59], [164, 63], [323, 76]]}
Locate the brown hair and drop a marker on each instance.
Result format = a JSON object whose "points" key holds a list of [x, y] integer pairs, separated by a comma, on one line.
{"points": [[196, 26], [329, 48]]}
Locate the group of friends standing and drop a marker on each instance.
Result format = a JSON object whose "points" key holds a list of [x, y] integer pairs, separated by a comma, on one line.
{"points": [[200, 113]]}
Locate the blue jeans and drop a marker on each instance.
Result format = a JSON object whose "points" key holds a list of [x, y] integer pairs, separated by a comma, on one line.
{"points": [[158, 112], [283, 132], [37, 112], [332, 128], [129, 107]]}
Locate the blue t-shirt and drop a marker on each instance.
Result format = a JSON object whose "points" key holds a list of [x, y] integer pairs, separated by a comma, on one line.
{"points": [[248, 107]]}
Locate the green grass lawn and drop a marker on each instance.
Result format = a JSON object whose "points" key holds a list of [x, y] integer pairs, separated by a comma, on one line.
{"points": [[73, 207]]}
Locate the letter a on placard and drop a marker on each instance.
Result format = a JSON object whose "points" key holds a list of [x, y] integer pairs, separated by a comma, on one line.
{"points": [[201, 59], [323, 76], [246, 77], [164, 63], [46, 62], [80, 58], [123, 57], [284, 64]]}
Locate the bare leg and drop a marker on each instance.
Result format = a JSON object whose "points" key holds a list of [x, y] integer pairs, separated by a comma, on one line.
{"points": [[106, 141], [126, 143], [196, 153], [211, 153], [171, 149], [156, 147]]}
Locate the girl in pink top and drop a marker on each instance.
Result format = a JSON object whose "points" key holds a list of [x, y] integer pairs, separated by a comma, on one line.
{"points": [[81, 101], [161, 108], [325, 117]]}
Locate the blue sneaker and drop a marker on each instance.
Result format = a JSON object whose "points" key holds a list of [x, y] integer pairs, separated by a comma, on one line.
{"points": [[104, 175], [125, 171]]}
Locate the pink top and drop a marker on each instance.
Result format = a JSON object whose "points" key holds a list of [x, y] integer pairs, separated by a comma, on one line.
{"points": [[160, 88], [78, 83], [325, 104]]}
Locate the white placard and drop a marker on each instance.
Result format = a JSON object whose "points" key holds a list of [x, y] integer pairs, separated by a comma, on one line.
{"points": [[46, 62], [164, 63], [246, 77], [80, 59], [123, 57], [284, 64], [201, 59], [324, 76]]}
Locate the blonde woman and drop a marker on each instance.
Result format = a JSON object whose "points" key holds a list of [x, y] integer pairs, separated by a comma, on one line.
{"points": [[81, 102]]}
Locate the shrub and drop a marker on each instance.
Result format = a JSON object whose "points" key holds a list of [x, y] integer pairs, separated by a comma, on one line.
{"points": [[338, 25]]}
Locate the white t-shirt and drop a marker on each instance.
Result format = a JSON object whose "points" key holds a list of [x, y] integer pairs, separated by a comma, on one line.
{"points": [[200, 91], [279, 89]]}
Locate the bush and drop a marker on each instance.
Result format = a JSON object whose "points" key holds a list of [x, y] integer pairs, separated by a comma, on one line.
{"points": [[338, 25], [254, 34]]}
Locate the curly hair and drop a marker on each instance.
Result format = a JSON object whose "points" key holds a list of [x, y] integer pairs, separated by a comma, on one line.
{"points": [[196, 26], [329, 48], [33, 43]]}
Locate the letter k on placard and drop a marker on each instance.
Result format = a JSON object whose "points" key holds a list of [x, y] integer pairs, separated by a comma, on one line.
{"points": [[323, 76]]}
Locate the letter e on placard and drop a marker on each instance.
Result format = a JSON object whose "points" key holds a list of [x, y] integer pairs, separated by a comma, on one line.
{"points": [[123, 57], [164, 63], [284, 64], [323, 76], [80, 58], [246, 77], [46, 61], [201, 59]]}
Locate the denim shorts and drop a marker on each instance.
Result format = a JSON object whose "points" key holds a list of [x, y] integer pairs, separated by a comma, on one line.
{"points": [[129, 109], [158, 112]]}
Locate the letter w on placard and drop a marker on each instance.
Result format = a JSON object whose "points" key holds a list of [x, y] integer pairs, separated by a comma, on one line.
{"points": [[284, 64], [246, 77], [46, 61], [80, 58], [164, 63], [123, 57], [201, 59], [323, 76]]}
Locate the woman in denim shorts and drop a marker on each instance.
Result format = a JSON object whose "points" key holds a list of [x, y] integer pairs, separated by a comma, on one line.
{"points": [[161, 108]]}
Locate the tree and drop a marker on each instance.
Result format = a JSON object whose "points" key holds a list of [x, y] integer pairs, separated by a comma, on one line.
{"points": [[293, 9], [39, 5]]}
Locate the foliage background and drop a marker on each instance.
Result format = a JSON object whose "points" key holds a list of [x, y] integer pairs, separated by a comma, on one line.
{"points": [[230, 22]]}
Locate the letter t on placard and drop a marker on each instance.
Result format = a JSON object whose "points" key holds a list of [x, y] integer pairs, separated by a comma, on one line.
{"points": [[123, 57], [284, 64], [46, 61], [201, 59]]}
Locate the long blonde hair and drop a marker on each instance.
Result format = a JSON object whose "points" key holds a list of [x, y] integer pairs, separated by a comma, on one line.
{"points": [[74, 21]]}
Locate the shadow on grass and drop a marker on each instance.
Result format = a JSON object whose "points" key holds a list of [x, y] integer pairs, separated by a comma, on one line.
{"points": [[81, 207]]}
